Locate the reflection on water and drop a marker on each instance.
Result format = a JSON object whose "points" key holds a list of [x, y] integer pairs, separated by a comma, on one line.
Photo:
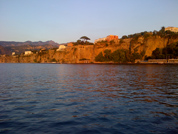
{"points": [[53, 98]]}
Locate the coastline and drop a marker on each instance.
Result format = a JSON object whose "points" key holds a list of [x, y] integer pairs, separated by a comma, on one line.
{"points": [[99, 63]]}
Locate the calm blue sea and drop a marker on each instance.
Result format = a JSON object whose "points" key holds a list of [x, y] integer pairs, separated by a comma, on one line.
{"points": [[88, 98]]}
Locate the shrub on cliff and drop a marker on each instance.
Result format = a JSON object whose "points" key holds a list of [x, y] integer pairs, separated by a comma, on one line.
{"points": [[124, 37], [82, 42], [107, 55], [121, 41], [170, 51], [100, 57], [53, 60], [85, 38], [119, 56]]}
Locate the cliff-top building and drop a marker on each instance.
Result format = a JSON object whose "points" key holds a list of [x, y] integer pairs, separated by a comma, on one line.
{"points": [[172, 29], [108, 38], [100, 39], [13, 53], [28, 52], [61, 48]]}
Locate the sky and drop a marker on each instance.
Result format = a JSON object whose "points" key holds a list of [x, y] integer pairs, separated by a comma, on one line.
{"points": [[67, 20]]}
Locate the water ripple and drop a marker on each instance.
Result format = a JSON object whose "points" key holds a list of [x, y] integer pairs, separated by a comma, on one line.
{"points": [[53, 98]]}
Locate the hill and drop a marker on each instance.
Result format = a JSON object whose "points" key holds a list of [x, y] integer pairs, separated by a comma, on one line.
{"points": [[7, 47]]}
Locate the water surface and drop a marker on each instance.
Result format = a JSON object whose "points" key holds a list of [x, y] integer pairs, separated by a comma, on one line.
{"points": [[72, 98]]}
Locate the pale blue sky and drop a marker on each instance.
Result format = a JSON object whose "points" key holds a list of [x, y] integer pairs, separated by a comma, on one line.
{"points": [[67, 20]]}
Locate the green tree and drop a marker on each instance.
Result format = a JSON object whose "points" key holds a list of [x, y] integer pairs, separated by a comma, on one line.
{"points": [[119, 56], [53, 60], [124, 37], [161, 32], [156, 53], [78, 41], [100, 57], [85, 38], [107, 55], [112, 42], [136, 56], [155, 32], [176, 52], [121, 41]]}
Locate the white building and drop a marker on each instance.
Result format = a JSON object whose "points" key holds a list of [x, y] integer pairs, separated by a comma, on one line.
{"points": [[100, 39], [61, 47], [13, 53], [172, 29], [28, 52]]}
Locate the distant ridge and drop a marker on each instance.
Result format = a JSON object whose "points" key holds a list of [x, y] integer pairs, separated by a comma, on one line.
{"points": [[35, 43], [7, 47]]}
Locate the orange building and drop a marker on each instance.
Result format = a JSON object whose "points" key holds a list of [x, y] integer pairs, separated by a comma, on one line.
{"points": [[108, 38], [112, 37]]}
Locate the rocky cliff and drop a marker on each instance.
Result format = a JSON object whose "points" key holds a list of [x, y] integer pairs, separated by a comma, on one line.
{"points": [[87, 53], [150, 44]]}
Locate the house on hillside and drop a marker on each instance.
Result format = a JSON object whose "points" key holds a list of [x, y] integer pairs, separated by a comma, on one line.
{"points": [[108, 38], [100, 39], [28, 52], [112, 37], [61, 48], [172, 29], [13, 53]]}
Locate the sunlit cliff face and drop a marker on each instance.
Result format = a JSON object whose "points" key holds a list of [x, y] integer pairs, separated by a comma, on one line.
{"points": [[87, 53]]}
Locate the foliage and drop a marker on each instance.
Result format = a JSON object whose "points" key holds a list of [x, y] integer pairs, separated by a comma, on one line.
{"points": [[121, 41], [54, 48], [162, 33], [155, 33], [83, 42], [75, 49], [112, 42], [142, 53], [100, 57], [170, 51], [53, 60], [135, 38], [85, 38], [136, 56], [83, 59], [146, 35], [162, 30], [35, 60], [124, 37], [118, 56], [78, 42], [107, 55]]}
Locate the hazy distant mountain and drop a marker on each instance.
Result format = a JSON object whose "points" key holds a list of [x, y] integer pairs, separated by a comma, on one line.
{"points": [[4, 50], [7, 47], [38, 43]]}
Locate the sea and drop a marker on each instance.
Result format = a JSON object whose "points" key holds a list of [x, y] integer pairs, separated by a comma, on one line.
{"points": [[88, 99]]}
